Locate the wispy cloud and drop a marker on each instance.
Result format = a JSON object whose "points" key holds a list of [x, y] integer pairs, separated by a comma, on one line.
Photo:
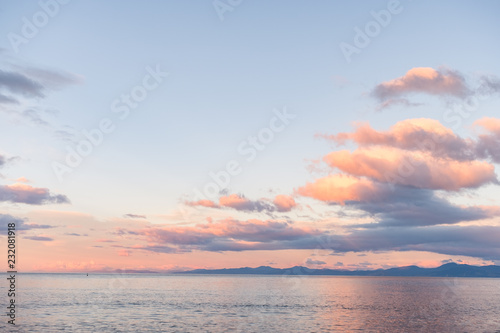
{"points": [[134, 216], [281, 203], [39, 238], [442, 82]]}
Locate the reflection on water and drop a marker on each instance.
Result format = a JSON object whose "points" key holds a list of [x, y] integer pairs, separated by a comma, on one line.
{"points": [[168, 303]]}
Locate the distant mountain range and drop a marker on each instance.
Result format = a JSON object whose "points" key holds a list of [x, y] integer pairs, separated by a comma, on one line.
{"points": [[446, 270]]}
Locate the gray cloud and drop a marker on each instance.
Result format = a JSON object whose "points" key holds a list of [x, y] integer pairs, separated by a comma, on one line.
{"points": [[21, 224], [39, 238], [406, 206], [310, 261], [134, 216], [20, 84], [231, 235]]}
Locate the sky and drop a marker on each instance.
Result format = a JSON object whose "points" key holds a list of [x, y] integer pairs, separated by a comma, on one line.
{"points": [[175, 135]]}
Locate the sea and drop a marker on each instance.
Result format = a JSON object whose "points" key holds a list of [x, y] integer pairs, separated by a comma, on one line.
{"points": [[251, 303]]}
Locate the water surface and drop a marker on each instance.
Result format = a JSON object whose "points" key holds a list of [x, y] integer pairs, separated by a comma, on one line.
{"points": [[242, 303]]}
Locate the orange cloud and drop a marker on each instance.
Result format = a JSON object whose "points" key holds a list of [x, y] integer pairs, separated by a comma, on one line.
{"points": [[340, 188]]}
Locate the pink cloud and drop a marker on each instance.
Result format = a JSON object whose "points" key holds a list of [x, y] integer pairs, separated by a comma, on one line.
{"points": [[412, 134], [23, 193], [284, 203], [22, 180], [488, 145], [424, 80], [491, 125], [124, 253], [202, 203], [234, 201], [422, 170], [224, 233]]}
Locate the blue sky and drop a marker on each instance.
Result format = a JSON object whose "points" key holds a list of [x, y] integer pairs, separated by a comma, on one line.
{"points": [[225, 78]]}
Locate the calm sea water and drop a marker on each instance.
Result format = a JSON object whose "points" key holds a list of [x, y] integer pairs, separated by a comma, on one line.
{"points": [[222, 303]]}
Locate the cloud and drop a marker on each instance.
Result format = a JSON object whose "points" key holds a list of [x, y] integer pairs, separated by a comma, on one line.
{"points": [[157, 248], [258, 235], [103, 240], [7, 100], [75, 234], [226, 235], [392, 176], [416, 169], [134, 216], [52, 79], [281, 203], [239, 202], [488, 145], [396, 101], [124, 253], [418, 152], [39, 238], [22, 193], [22, 179], [202, 203], [475, 241], [441, 82], [310, 261], [406, 207], [419, 134], [489, 85], [32, 82], [21, 224], [339, 188], [34, 116], [392, 205], [284, 203], [20, 84]]}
